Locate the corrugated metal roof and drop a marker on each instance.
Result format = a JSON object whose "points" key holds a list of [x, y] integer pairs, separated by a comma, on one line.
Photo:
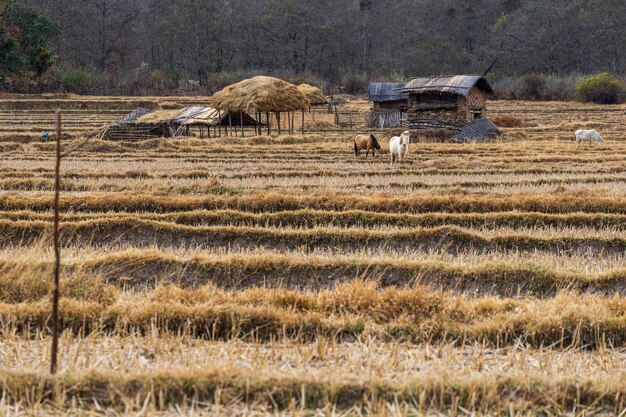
{"points": [[187, 113], [381, 92], [206, 116], [456, 84]]}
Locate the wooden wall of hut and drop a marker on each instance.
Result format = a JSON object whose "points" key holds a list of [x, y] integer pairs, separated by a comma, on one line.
{"points": [[443, 111], [400, 105]]}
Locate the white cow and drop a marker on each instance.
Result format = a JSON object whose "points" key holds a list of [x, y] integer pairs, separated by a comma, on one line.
{"points": [[399, 147], [588, 135]]}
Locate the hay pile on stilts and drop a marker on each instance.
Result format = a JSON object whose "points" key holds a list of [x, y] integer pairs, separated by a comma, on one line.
{"points": [[261, 96], [313, 94]]}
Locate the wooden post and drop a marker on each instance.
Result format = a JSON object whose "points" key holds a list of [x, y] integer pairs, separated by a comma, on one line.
{"points": [[219, 122], [278, 121], [293, 121], [269, 128], [230, 124], [57, 251], [241, 124], [303, 120]]}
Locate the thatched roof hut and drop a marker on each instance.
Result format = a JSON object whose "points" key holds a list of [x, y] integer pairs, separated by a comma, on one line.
{"points": [[313, 94], [260, 94]]}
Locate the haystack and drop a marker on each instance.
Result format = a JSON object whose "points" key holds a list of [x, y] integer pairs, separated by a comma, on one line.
{"points": [[313, 94], [260, 94], [159, 116]]}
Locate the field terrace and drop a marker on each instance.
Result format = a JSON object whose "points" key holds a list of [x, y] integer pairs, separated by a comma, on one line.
{"points": [[284, 275]]}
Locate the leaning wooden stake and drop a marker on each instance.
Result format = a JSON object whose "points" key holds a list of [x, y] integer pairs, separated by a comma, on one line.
{"points": [[57, 251]]}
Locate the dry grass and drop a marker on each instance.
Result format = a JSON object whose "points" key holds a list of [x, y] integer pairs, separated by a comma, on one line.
{"points": [[284, 276], [323, 200], [159, 116], [353, 310], [399, 378], [88, 272], [507, 121]]}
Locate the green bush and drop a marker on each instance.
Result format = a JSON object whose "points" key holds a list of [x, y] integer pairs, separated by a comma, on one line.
{"points": [[75, 79], [530, 87], [603, 88]]}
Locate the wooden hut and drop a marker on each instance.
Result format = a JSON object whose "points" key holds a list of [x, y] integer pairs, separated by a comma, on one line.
{"points": [[445, 104], [387, 96], [262, 96]]}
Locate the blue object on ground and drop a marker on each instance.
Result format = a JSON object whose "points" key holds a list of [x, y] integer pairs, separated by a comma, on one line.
{"points": [[45, 135]]}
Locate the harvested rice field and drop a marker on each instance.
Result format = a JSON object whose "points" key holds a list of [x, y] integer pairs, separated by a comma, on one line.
{"points": [[283, 276]]}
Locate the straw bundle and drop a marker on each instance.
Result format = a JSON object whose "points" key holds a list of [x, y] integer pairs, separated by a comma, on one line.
{"points": [[159, 116], [313, 94], [260, 94]]}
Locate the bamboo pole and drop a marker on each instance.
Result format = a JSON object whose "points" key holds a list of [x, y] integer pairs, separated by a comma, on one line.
{"points": [[293, 121], [269, 128], [57, 251], [241, 124]]}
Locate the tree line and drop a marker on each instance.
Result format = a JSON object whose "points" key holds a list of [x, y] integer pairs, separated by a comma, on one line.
{"points": [[204, 44]]}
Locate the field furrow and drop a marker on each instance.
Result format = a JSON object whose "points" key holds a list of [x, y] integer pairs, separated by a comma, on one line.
{"points": [[284, 275]]}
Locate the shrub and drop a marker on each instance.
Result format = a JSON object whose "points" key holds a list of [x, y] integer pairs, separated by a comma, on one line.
{"points": [[530, 87], [218, 80], [308, 78], [562, 87], [507, 121], [75, 79], [164, 79], [354, 83], [603, 88]]}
